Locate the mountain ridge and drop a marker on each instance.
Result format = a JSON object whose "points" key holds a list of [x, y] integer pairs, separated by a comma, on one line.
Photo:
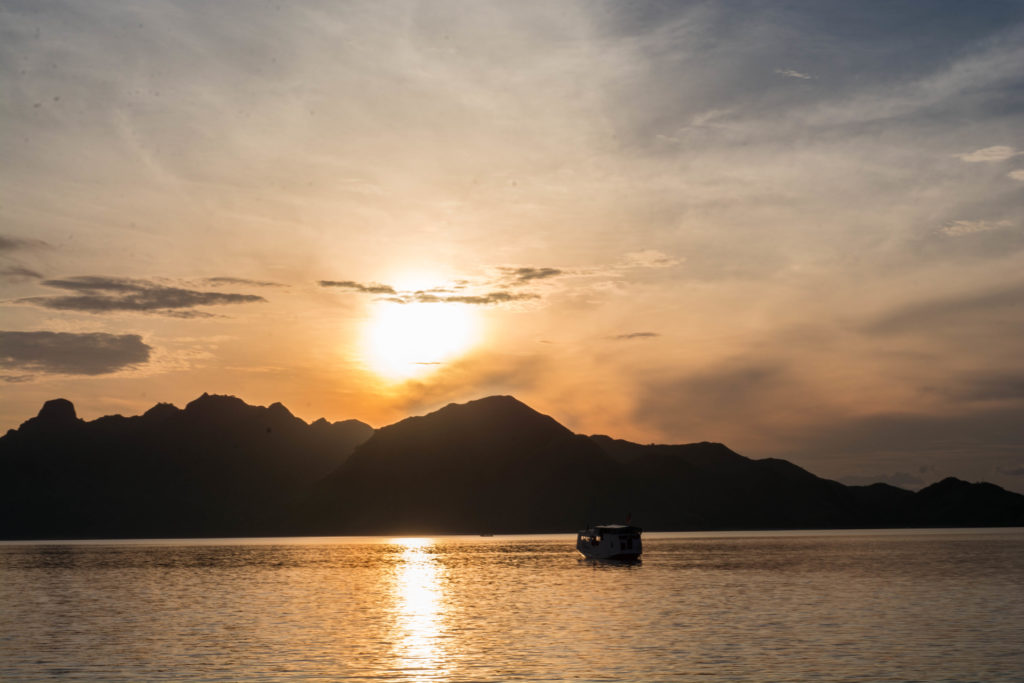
{"points": [[221, 467]]}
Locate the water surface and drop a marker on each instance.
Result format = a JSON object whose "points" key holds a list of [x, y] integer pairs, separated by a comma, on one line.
{"points": [[872, 605]]}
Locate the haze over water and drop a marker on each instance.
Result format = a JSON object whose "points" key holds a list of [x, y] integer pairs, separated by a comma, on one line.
{"points": [[869, 605]]}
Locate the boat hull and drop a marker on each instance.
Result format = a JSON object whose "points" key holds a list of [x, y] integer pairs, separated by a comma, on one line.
{"points": [[617, 557]]}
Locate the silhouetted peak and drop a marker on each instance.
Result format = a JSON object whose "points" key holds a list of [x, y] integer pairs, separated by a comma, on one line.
{"points": [[161, 411], [951, 486], [489, 405], [215, 403], [945, 486], [58, 411], [488, 425], [496, 413], [278, 410], [352, 424]]}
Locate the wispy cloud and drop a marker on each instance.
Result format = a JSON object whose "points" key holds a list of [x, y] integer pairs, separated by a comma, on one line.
{"points": [[636, 335], [950, 311], [527, 274], [228, 281], [19, 273], [98, 294], [500, 297], [9, 243], [453, 293], [481, 299], [93, 353], [1017, 175], [367, 288], [792, 73], [994, 153], [961, 228], [649, 258]]}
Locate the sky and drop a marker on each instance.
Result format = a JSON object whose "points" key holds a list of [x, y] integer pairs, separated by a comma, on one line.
{"points": [[795, 228]]}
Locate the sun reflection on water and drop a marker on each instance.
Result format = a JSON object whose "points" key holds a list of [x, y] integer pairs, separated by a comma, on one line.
{"points": [[420, 611]]}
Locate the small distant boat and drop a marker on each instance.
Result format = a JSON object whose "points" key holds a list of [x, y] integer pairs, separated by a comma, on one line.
{"points": [[610, 542]]}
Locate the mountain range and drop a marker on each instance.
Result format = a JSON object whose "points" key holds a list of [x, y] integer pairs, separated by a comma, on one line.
{"points": [[221, 467]]}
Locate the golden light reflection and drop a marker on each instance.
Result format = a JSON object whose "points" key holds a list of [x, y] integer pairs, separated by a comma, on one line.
{"points": [[401, 341], [420, 611]]}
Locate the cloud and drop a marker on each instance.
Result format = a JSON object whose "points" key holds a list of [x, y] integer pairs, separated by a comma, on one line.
{"points": [[93, 353], [95, 294], [995, 153], [649, 258], [441, 294], [636, 335], [482, 374], [218, 281], [950, 311], [961, 228], [713, 402], [965, 436], [527, 274], [19, 273], [790, 73], [8, 243], [991, 387], [1012, 471], [1017, 175], [482, 299], [372, 288]]}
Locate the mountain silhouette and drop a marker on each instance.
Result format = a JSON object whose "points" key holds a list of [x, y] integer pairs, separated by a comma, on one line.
{"points": [[221, 467], [496, 465], [217, 467], [492, 465]]}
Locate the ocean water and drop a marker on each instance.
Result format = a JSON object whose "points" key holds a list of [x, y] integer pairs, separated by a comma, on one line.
{"points": [[928, 605]]}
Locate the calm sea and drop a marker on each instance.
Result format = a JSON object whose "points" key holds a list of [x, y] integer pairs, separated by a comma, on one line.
{"points": [[936, 605]]}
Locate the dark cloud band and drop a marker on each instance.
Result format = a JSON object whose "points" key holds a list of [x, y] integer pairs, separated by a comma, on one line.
{"points": [[477, 300], [439, 295], [527, 274], [8, 243], [221, 281], [371, 288], [104, 295], [19, 273], [94, 353]]}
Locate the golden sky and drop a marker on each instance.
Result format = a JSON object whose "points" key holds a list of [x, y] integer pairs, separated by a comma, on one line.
{"points": [[794, 228]]}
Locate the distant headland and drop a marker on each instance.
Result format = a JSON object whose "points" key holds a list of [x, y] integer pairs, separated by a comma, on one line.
{"points": [[220, 467]]}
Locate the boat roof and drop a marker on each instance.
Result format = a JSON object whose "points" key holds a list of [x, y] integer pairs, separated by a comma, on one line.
{"points": [[613, 528]]}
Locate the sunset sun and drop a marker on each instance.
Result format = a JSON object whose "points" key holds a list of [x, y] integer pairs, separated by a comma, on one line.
{"points": [[405, 340]]}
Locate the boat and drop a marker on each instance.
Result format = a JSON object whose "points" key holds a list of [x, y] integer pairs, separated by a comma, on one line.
{"points": [[610, 542]]}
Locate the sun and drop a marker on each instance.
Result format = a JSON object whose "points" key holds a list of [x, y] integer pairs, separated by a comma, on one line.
{"points": [[406, 340]]}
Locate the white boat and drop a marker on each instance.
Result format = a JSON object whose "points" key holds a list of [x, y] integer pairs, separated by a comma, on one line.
{"points": [[610, 542]]}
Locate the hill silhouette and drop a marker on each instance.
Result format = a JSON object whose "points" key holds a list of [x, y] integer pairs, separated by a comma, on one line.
{"points": [[492, 465], [220, 467]]}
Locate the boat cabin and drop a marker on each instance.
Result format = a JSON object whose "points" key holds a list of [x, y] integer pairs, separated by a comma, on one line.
{"points": [[610, 542]]}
